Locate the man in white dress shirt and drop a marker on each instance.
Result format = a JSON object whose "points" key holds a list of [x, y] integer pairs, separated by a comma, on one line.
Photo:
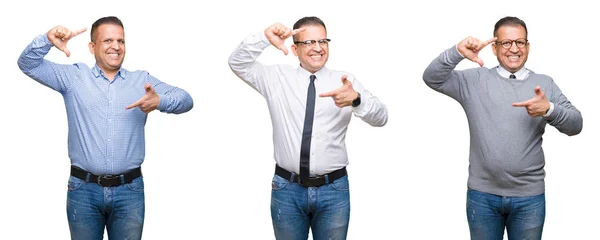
{"points": [[311, 107]]}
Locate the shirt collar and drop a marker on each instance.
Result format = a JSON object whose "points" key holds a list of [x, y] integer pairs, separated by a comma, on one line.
{"points": [[305, 74], [122, 73], [520, 75]]}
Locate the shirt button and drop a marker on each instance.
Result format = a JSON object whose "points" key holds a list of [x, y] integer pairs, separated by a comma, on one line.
{"points": [[109, 120], [108, 140]]}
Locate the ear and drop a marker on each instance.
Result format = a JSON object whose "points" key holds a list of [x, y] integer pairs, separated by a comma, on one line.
{"points": [[294, 49], [91, 47], [494, 48]]}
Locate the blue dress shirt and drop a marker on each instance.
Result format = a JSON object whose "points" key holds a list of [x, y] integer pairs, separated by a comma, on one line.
{"points": [[104, 137]]}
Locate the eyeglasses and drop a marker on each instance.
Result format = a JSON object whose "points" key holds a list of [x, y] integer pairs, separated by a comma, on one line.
{"points": [[507, 43], [311, 43]]}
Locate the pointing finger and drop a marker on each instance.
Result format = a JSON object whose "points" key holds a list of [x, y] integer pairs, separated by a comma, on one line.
{"points": [[135, 104], [77, 32], [521, 104], [488, 42], [329, 94], [299, 30]]}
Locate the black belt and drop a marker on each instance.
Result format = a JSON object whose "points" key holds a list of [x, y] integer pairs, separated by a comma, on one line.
{"points": [[312, 181], [106, 180]]}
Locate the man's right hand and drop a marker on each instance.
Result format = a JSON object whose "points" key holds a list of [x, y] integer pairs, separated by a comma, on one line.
{"points": [[470, 47], [278, 33], [59, 36]]}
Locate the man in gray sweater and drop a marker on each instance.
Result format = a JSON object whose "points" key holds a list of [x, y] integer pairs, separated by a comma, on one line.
{"points": [[507, 108]]}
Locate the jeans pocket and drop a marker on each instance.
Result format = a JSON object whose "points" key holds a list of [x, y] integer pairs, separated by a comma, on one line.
{"points": [[278, 183], [74, 183], [136, 185], [341, 184]]}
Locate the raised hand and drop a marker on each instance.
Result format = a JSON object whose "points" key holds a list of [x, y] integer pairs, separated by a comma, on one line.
{"points": [[278, 33], [536, 106], [344, 95], [470, 47], [148, 102], [59, 36]]}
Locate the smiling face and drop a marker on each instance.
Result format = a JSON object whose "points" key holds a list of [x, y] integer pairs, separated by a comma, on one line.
{"points": [[513, 58], [108, 47], [313, 57]]}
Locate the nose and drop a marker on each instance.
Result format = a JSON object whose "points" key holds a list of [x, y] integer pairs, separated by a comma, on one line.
{"points": [[513, 47], [317, 47]]}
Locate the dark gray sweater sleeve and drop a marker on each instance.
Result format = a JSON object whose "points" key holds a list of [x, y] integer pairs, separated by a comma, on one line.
{"points": [[565, 117], [441, 76]]}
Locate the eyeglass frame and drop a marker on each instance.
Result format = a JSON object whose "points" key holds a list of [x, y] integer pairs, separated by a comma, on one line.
{"points": [[311, 43], [512, 42]]}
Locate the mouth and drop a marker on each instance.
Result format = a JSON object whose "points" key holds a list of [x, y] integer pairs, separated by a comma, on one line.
{"points": [[316, 57], [113, 55], [514, 58]]}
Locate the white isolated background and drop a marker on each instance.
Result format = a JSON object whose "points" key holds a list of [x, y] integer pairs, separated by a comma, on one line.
{"points": [[208, 172]]}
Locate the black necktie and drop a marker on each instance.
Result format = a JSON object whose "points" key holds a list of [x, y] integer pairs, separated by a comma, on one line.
{"points": [[307, 132], [512, 76]]}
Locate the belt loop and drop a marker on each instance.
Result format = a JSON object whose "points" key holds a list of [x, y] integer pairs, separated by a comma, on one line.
{"points": [[122, 178], [87, 177], [326, 178], [292, 177]]}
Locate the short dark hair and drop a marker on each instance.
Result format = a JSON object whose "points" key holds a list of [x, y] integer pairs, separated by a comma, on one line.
{"points": [[509, 21], [105, 20], [305, 21]]}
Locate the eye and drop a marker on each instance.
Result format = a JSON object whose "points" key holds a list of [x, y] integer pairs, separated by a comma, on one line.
{"points": [[108, 41], [521, 42], [121, 41], [506, 43]]}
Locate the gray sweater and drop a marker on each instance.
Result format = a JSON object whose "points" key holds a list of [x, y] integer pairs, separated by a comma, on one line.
{"points": [[506, 156]]}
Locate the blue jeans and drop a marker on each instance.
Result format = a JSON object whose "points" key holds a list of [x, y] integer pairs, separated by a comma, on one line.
{"points": [[295, 209], [488, 214], [91, 207]]}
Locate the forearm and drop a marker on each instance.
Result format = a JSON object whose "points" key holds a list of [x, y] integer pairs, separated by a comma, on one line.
{"points": [[172, 99], [243, 59], [32, 63], [441, 76], [33, 56], [566, 118], [371, 110]]}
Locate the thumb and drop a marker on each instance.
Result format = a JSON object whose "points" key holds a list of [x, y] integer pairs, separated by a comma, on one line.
{"points": [[538, 91], [67, 51], [345, 79], [283, 49], [478, 60], [148, 88]]}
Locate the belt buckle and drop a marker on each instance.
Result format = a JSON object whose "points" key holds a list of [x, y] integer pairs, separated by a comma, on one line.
{"points": [[310, 180], [108, 178]]}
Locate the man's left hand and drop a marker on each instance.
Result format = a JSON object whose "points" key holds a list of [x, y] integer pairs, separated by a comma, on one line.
{"points": [[344, 95], [536, 106], [148, 102]]}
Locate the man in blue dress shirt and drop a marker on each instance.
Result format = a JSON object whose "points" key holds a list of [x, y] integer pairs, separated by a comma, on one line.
{"points": [[107, 107]]}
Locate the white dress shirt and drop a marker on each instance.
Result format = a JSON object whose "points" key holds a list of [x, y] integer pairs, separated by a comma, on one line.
{"points": [[285, 88]]}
